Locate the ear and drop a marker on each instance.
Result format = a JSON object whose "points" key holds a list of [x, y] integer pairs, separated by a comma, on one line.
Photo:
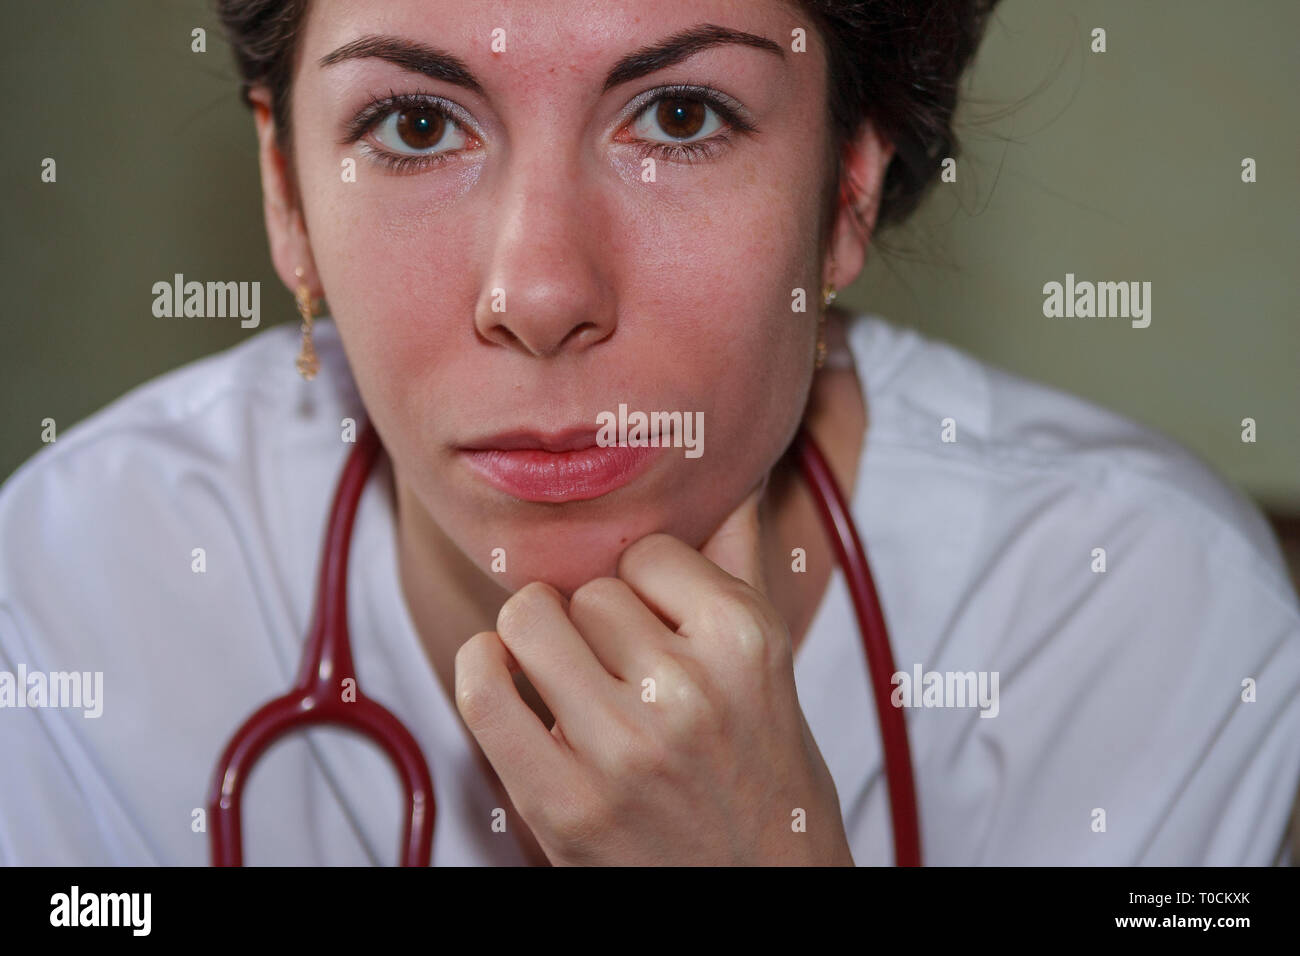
{"points": [[285, 229], [865, 160]]}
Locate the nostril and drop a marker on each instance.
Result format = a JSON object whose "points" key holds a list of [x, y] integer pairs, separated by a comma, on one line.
{"points": [[502, 335], [576, 333], [539, 341]]}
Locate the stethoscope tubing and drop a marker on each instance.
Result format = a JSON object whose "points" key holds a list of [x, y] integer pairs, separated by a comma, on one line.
{"points": [[897, 755], [317, 697]]}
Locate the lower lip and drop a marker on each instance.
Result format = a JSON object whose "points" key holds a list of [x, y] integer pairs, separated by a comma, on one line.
{"points": [[533, 474]]}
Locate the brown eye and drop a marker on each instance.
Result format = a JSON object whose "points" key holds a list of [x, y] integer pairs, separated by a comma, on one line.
{"points": [[420, 128], [681, 118], [676, 120]]}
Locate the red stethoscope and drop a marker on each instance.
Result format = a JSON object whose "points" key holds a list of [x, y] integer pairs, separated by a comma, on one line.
{"points": [[315, 700]]}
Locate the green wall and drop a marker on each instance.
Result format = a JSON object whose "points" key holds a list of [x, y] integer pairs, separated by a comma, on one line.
{"points": [[1126, 165]]}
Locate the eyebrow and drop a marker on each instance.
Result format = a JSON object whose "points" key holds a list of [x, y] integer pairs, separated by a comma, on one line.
{"points": [[441, 65]]}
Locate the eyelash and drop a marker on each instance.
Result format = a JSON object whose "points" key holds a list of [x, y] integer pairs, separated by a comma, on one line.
{"points": [[381, 107]]}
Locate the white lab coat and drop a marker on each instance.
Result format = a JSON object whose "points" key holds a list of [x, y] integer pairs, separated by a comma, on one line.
{"points": [[1119, 691]]}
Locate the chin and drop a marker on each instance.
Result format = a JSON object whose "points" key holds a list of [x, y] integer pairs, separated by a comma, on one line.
{"points": [[568, 555], [566, 570], [566, 580]]}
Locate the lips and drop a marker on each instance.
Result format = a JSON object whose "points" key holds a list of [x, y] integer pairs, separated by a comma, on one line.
{"points": [[569, 440], [554, 467]]}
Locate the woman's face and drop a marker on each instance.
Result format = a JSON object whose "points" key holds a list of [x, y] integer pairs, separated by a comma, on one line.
{"points": [[517, 268]]}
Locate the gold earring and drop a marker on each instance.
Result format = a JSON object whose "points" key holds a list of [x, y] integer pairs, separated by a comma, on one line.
{"points": [[828, 297], [307, 362]]}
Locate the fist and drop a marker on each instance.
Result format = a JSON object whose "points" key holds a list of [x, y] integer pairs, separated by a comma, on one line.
{"points": [[678, 736]]}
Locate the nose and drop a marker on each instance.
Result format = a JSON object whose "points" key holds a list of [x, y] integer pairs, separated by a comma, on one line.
{"points": [[547, 291]]}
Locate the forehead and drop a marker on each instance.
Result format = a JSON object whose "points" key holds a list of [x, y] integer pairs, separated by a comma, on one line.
{"points": [[522, 43]]}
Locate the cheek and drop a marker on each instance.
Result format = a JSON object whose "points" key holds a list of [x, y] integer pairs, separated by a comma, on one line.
{"points": [[725, 278], [400, 277]]}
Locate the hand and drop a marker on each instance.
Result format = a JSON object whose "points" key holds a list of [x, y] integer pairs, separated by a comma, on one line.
{"points": [[712, 763]]}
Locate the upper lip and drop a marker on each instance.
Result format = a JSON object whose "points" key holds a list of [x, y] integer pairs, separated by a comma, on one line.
{"points": [[569, 439]]}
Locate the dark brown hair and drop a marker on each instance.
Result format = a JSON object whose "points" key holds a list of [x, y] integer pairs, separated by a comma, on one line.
{"points": [[893, 63]]}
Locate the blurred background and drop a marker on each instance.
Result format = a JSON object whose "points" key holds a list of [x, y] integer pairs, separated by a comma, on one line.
{"points": [[1122, 165]]}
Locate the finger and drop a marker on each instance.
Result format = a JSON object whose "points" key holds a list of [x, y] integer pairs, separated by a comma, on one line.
{"points": [[736, 546], [622, 632], [682, 584], [556, 660], [705, 604], [526, 757]]}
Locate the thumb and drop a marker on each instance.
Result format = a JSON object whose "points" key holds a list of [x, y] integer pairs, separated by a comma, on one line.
{"points": [[736, 547]]}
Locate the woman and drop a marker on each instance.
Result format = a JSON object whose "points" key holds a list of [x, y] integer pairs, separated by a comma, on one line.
{"points": [[527, 224]]}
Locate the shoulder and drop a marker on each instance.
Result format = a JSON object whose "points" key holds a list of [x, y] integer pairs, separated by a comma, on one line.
{"points": [[230, 458], [211, 409], [207, 453], [1021, 450], [257, 374], [1134, 605]]}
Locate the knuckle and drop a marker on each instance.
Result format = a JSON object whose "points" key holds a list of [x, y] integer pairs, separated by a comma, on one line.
{"points": [[686, 703], [594, 595], [670, 675], [643, 550], [475, 702], [577, 821], [470, 654], [750, 639], [746, 623], [474, 648], [693, 715], [523, 610], [475, 697], [639, 756]]}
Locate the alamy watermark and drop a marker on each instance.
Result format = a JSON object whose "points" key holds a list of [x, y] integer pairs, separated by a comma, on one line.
{"points": [[1086, 300], [946, 689], [75, 908], [59, 689], [208, 300], [626, 429]]}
